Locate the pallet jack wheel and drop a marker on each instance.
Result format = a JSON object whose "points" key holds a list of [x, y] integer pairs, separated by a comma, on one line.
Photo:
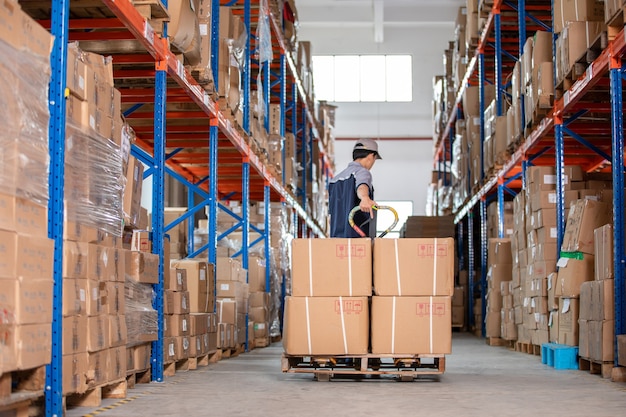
{"points": [[322, 376], [406, 378]]}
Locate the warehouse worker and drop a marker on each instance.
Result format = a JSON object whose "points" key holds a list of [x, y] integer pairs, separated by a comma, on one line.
{"points": [[353, 187]]}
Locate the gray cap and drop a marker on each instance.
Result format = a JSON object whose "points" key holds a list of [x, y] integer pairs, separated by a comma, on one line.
{"points": [[368, 145]]}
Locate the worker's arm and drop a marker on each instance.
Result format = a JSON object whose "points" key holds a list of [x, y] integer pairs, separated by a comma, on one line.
{"points": [[366, 204]]}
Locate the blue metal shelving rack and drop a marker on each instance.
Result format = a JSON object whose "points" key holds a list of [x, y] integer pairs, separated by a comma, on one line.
{"points": [[562, 123], [159, 163]]}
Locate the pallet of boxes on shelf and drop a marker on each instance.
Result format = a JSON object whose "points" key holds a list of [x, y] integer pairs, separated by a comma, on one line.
{"points": [[331, 309], [101, 196], [26, 266]]}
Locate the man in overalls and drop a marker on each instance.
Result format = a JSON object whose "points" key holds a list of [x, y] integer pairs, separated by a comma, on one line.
{"points": [[353, 187]]}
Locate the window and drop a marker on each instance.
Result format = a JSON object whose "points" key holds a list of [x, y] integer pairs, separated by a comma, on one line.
{"points": [[385, 217], [365, 78]]}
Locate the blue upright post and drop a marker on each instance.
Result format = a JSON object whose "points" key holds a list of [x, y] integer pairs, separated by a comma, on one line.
{"points": [[524, 168], [521, 23], [460, 245], [500, 208], [481, 94], [245, 73], [190, 222], [560, 177], [215, 40], [470, 267], [483, 260], [619, 258], [498, 59], [213, 198], [283, 109], [245, 202], [266, 240], [56, 133], [158, 203]]}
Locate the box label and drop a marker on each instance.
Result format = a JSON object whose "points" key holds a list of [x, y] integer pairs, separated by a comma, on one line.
{"points": [[354, 251], [424, 309], [349, 307], [430, 250]]}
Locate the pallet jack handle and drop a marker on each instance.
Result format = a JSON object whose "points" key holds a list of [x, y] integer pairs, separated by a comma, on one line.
{"points": [[358, 229]]}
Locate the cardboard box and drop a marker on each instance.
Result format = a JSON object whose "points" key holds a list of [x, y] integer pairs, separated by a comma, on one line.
{"points": [[259, 299], [115, 298], [256, 274], [183, 345], [227, 311], [584, 217], [74, 296], [499, 251], [410, 325], [586, 290], [176, 302], [98, 334], [177, 325], [200, 279], [553, 299], [499, 273], [326, 325], [331, 267], [74, 334], [27, 301], [170, 349], [568, 321], [25, 256], [576, 11], [75, 368], [601, 339], [228, 269], [177, 280], [572, 273], [547, 199], [118, 333], [30, 346], [621, 349], [414, 267], [143, 267], [259, 314], [199, 323], [117, 363], [231, 289], [132, 192], [141, 241], [603, 248], [75, 259], [142, 356], [603, 300], [96, 297]]}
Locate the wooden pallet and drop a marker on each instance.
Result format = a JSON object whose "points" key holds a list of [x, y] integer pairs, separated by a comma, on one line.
{"points": [[230, 352], [261, 342], [138, 377], [181, 365], [151, 9], [93, 396], [604, 369], [202, 360], [616, 24], [404, 367], [528, 348], [498, 341], [581, 64], [23, 381]]}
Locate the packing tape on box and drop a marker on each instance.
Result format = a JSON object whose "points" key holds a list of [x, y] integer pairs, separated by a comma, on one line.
{"points": [[310, 273], [431, 323], [435, 269], [393, 326], [343, 326], [397, 269], [349, 268], [308, 323]]}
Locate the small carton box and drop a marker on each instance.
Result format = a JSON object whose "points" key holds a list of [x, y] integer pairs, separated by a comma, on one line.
{"points": [[331, 267], [326, 325], [572, 273], [603, 241], [410, 325], [414, 267], [568, 321], [584, 217]]}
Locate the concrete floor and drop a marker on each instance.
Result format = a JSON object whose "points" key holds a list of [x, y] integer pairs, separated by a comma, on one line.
{"points": [[479, 381]]}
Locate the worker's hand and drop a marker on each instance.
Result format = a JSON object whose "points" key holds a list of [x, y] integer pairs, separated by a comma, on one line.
{"points": [[367, 205]]}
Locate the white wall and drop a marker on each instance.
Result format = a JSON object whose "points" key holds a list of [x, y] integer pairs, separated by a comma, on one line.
{"points": [[401, 174], [423, 33]]}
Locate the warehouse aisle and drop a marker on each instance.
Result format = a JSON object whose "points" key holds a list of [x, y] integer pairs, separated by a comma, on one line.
{"points": [[480, 381]]}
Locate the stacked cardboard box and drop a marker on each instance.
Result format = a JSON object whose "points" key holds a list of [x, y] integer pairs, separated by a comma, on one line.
{"points": [[178, 235], [571, 47], [500, 270], [412, 315], [328, 311], [202, 70], [493, 219], [514, 113], [471, 110], [458, 307], [508, 327], [520, 262], [495, 146], [232, 300], [537, 76], [26, 253], [259, 301], [577, 263], [428, 227], [141, 318]]}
